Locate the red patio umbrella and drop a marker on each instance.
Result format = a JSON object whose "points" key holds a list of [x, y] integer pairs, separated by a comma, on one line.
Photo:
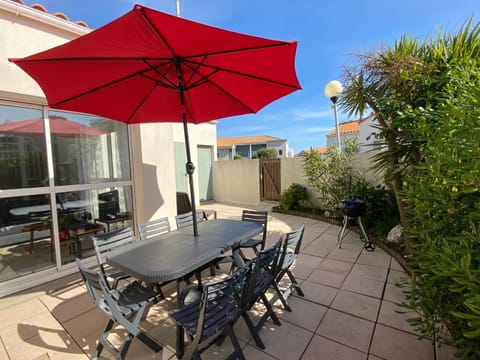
{"points": [[147, 66]]}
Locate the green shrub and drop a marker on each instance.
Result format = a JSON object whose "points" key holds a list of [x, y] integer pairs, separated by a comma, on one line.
{"points": [[237, 157], [292, 197], [382, 210]]}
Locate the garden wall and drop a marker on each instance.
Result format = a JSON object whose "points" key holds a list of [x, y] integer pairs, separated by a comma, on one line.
{"points": [[237, 181]]}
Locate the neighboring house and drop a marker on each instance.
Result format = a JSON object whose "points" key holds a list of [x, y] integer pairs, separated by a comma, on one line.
{"points": [[320, 150], [362, 130], [246, 146], [99, 170], [348, 130]]}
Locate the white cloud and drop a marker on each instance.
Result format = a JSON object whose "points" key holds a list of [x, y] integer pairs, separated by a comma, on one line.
{"points": [[307, 114], [319, 129]]}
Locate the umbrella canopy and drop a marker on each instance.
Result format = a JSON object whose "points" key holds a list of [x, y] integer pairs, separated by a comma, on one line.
{"points": [[147, 66], [58, 126]]}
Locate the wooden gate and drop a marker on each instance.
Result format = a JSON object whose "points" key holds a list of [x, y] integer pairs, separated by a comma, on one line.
{"points": [[270, 184]]}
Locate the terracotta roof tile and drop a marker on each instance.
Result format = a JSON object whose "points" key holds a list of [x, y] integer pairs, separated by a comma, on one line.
{"points": [[60, 15], [349, 127], [230, 141], [320, 150]]}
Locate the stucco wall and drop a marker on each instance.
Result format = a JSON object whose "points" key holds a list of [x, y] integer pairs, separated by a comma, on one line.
{"points": [[20, 36], [236, 181]]}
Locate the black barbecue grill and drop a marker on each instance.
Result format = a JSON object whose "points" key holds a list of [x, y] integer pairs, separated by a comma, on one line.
{"points": [[352, 210]]}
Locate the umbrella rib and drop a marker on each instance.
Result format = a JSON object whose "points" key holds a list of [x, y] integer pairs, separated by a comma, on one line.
{"points": [[145, 100], [95, 89], [256, 77], [205, 79]]}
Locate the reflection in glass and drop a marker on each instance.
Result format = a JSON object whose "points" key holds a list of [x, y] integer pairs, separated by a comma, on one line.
{"points": [[26, 227], [88, 149], [25, 235], [23, 161]]}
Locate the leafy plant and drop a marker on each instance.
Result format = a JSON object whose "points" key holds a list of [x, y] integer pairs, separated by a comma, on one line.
{"points": [[292, 197], [331, 175], [265, 154], [237, 157]]}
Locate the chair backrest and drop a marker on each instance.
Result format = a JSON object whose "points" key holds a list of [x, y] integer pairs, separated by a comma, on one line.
{"points": [[260, 217], [183, 203], [96, 286], [103, 243], [184, 220], [153, 228], [219, 301], [291, 247], [262, 275]]}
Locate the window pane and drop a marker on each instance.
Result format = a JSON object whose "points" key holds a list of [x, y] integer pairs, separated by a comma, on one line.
{"points": [[23, 162], [25, 235], [88, 149]]}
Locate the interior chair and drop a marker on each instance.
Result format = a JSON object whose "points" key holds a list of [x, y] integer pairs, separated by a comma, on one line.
{"points": [[124, 306], [184, 205], [290, 249], [256, 244], [106, 242], [153, 228], [263, 274], [210, 318]]}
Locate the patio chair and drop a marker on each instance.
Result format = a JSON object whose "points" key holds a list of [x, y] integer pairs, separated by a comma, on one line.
{"points": [[209, 319], [106, 242], [124, 306], [184, 206], [185, 220], [262, 276], [255, 244], [290, 249], [153, 228]]}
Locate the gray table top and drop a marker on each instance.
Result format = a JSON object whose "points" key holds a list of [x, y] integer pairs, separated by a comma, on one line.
{"points": [[177, 253]]}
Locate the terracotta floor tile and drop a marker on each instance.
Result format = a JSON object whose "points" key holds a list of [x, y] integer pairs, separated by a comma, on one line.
{"points": [[322, 348], [329, 278], [318, 293], [363, 285], [359, 305], [304, 313], [394, 344], [395, 316], [346, 329]]}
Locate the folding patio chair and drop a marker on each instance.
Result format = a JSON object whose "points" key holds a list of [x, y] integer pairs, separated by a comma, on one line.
{"points": [[262, 276], [125, 306], [184, 206], [256, 245], [185, 220], [290, 249], [153, 228], [103, 243], [213, 316]]}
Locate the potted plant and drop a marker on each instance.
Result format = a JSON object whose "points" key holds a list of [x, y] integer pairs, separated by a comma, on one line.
{"points": [[63, 221]]}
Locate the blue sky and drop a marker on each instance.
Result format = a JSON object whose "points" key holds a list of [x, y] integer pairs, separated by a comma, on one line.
{"points": [[328, 33]]}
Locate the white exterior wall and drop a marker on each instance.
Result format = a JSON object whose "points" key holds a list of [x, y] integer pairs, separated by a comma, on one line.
{"points": [[279, 145], [365, 138], [21, 36], [332, 140]]}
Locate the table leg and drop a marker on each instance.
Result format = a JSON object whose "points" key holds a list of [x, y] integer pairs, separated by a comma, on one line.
{"points": [[181, 286]]}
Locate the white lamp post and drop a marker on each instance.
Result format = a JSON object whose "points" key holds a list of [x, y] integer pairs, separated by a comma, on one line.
{"points": [[332, 91], [177, 7]]}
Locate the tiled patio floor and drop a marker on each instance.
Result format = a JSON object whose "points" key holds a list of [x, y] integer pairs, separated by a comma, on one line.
{"points": [[348, 312]]}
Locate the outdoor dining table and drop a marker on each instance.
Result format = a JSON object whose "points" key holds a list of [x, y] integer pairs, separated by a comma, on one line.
{"points": [[174, 255]]}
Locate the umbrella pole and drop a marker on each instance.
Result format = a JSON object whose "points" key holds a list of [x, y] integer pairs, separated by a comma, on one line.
{"points": [[189, 166]]}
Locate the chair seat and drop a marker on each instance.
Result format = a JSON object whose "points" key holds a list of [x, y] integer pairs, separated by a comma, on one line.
{"points": [[188, 316], [133, 296], [251, 243]]}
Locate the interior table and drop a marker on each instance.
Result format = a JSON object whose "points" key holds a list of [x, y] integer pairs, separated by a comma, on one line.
{"points": [[174, 255]]}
